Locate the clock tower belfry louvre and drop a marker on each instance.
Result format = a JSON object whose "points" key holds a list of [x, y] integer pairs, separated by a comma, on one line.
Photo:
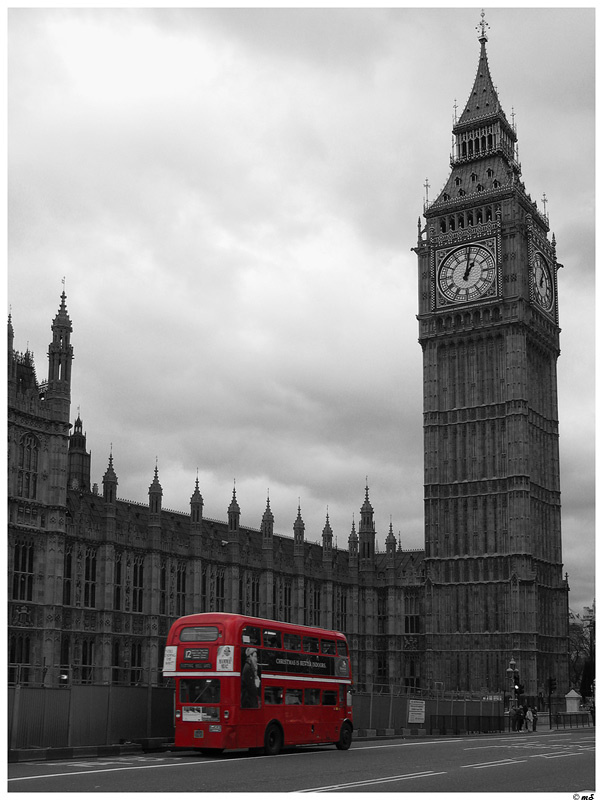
{"points": [[488, 328]]}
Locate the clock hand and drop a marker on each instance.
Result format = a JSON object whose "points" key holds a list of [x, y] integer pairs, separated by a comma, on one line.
{"points": [[468, 270]]}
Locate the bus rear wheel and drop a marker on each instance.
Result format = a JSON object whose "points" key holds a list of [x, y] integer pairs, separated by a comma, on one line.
{"points": [[345, 737], [273, 740]]}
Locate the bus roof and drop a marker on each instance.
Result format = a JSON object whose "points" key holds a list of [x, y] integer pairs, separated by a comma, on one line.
{"points": [[227, 618]]}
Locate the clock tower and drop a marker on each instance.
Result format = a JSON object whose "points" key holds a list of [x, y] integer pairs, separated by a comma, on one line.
{"points": [[488, 328]]}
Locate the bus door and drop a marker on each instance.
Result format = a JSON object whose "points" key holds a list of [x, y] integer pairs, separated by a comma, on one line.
{"points": [[313, 713], [298, 719]]}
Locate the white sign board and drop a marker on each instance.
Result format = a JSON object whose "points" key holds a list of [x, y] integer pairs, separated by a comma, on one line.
{"points": [[416, 710], [225, 660], [169, 658]]}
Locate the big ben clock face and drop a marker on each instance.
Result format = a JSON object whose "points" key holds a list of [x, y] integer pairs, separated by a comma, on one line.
{"points": [[542, 282], [467, 273]]}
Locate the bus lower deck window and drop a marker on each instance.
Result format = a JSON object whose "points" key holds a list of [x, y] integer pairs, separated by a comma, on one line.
{"points": [[273, 695], [329, 698], [312, 697], [293, 697]]}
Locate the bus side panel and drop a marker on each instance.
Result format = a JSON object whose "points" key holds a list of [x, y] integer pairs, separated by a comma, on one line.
{"points": [[250, 733]]}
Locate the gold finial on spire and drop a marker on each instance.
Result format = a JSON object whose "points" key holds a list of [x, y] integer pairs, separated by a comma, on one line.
{"points": [[482, 27]]}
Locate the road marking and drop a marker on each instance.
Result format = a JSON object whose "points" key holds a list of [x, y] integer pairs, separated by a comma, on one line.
{"points": [[368, 782], [114, 769], [554, 755], [502, 763]]}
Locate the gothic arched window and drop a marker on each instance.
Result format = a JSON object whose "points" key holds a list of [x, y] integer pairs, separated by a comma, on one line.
{"points": [[23, 571], [27, 479]]}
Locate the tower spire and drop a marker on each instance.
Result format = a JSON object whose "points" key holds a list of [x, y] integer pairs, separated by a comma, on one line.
{"points": [[481, 27], [60, 357]]}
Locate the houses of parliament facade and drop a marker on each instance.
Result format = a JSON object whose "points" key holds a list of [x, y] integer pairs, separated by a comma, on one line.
{"points": [[96, 581]]}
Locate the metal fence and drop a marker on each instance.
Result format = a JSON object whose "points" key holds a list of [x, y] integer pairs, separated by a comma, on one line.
{"points": [[79, 715]]}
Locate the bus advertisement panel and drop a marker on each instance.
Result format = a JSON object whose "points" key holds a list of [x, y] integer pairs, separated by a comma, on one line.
{"points": [[249, 682]]}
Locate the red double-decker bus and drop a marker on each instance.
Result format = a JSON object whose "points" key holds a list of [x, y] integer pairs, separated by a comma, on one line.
{"points": [[245, 682]]}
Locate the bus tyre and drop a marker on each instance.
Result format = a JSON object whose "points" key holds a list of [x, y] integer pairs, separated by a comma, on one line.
{"points": [[345, 737], [273, 739]]}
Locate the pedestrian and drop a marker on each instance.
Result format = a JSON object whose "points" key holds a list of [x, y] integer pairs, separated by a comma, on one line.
{"points": [[520, 718], [529, 719], [513, 718], [534, 718]]}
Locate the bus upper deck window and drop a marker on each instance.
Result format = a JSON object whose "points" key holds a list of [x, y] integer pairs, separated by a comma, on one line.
{"points": [[200, 633], [311, 644], [272, 638], [251, 636], [327, 646], [342, 650], [291, 641]]}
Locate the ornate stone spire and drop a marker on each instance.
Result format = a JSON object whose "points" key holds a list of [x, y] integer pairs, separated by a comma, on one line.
{"points": [[155, 494], [196, 507], [234, 512], [110, 482], [267, 526], [298, 531]]}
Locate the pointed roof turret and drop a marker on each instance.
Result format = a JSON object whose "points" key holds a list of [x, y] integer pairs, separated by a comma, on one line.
{"points": [[298, 530], [390, 542], [483, 100], [234, 512], [110, 482], [155, 486], [62, 317], [366, 514], [267, 526], [11, 333], [484, 157], [353, 544], [196, 497], [366, 506], [196, 507], [60, 357], [234, 506], [268, 516], [155, 494]]}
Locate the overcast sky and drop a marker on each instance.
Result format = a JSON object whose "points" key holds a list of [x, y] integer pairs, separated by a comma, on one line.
{"points": [[232, 197]]}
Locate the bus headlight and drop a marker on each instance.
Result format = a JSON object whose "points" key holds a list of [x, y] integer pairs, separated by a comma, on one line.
{"points": [[226, 714]]}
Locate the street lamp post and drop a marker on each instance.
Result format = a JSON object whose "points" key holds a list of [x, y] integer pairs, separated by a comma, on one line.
{"points": [[511, 674]]}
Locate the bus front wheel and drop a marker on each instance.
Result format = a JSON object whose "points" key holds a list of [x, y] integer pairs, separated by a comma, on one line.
{"points": [[345, 737], [273, 740]]}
